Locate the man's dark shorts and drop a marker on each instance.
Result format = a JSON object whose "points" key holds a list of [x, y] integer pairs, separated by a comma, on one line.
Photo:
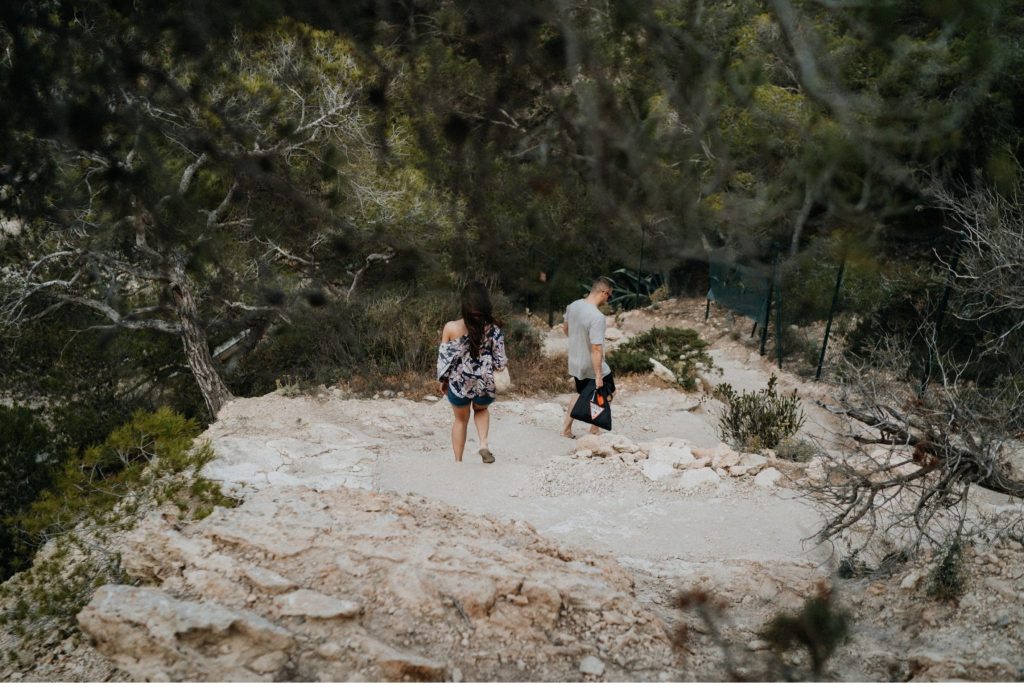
{"points": [[609, 383]]}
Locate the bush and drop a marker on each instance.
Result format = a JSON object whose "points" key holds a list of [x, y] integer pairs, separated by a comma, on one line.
{"points": [[758, 420], [26, 466], [820, 627], [522, 342], [151, 449], [390, 336], [796, 450], [680, 350], [146, 462], [948, 580]]}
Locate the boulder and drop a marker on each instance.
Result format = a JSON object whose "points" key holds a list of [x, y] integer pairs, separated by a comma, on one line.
{"points": [[767, 477], [311, 604], [678, 457], [592, 665], [662, 372], [696, 478], [753, 461], [153, 636], [606, 445], [725, 458]]}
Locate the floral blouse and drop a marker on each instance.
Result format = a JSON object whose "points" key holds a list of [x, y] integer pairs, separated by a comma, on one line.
{"points": [[470, 377]]}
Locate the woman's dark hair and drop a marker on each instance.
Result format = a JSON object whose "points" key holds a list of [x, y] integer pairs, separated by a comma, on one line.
{"points": [[477, 314]]}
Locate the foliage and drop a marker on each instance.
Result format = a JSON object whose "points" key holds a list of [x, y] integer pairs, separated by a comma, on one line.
{"points": [[387, 335], [819, 628], [150, 457], [796, 450], [759, 419], [146, 463], [26, 464], [948, 579], [631, 289], [45, 599], [680, 350]]}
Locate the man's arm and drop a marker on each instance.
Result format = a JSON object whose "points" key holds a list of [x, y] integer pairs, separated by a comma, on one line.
{"points": [[565, 324], [597, 357]]}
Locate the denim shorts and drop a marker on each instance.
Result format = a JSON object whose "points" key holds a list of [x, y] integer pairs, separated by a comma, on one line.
{"points": [[460, 402]]}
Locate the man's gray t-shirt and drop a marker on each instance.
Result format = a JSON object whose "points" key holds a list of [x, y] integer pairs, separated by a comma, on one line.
{"points": [[586, 327]]}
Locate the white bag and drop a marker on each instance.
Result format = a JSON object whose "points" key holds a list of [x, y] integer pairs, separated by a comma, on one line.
{"points": [[502, 381]]}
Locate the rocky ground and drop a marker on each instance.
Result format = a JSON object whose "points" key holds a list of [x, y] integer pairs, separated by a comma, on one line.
{"points": [[363, 551]]}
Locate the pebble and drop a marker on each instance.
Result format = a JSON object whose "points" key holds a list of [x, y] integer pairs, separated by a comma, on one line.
{"points": [[592, 665], [758, 645], [911, 580], [431, 398], [456, 675]]}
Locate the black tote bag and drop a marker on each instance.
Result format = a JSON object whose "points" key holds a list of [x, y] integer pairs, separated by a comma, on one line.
{"points": [[593, 407]]}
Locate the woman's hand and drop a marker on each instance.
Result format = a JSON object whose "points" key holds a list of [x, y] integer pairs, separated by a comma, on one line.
{"points": [[442, 387]]}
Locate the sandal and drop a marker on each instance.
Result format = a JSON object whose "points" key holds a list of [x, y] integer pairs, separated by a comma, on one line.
{"points": [[567, 436], [486, 455]]}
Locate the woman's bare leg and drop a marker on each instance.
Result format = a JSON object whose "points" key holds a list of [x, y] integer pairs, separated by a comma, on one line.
{"points": [[482, 420], [459, 426]]}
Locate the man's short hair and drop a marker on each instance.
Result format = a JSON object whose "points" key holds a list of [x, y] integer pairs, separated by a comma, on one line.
{"points": [[600, 284]]}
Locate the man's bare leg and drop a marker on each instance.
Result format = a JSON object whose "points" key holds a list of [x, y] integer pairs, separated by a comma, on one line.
{"points": [[567, 424]]}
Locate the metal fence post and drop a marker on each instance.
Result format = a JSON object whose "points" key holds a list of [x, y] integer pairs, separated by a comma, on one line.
{"points": [[767, 309], [831, 313]]}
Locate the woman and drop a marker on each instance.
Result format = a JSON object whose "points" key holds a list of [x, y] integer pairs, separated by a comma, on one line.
{"points": [[471, 350]]}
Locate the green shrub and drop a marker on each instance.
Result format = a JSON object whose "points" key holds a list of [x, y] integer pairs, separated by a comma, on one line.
{"points": [[759, 419], [796, 450], [522, 342], [680, 350], [948, 580], [27, 463], [151, 448], [149, 461], [819, 628]]}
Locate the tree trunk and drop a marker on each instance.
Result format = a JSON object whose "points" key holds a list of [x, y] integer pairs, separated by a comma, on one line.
{"points": [[197, 349]]}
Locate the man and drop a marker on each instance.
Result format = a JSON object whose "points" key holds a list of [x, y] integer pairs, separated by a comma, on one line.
{"points": [[584, 325]]}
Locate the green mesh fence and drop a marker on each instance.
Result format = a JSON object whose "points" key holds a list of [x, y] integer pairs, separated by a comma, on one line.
{"points": [[740, 288], [794, 310]]}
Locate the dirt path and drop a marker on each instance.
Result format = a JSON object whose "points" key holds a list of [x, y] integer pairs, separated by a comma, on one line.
{"points": [[747, 541]]}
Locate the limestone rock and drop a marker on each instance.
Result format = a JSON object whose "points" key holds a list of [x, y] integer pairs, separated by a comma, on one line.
{"points": [[695, 478], [725, 458], [753, 461], [606, 445], [268, 580], [311, 604], [911, 579], [663, 461], [680, 457], [303, 584], [612, 333], [153, 636], [396, 665], [767, 477], [662, 372], [592, 665]]}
